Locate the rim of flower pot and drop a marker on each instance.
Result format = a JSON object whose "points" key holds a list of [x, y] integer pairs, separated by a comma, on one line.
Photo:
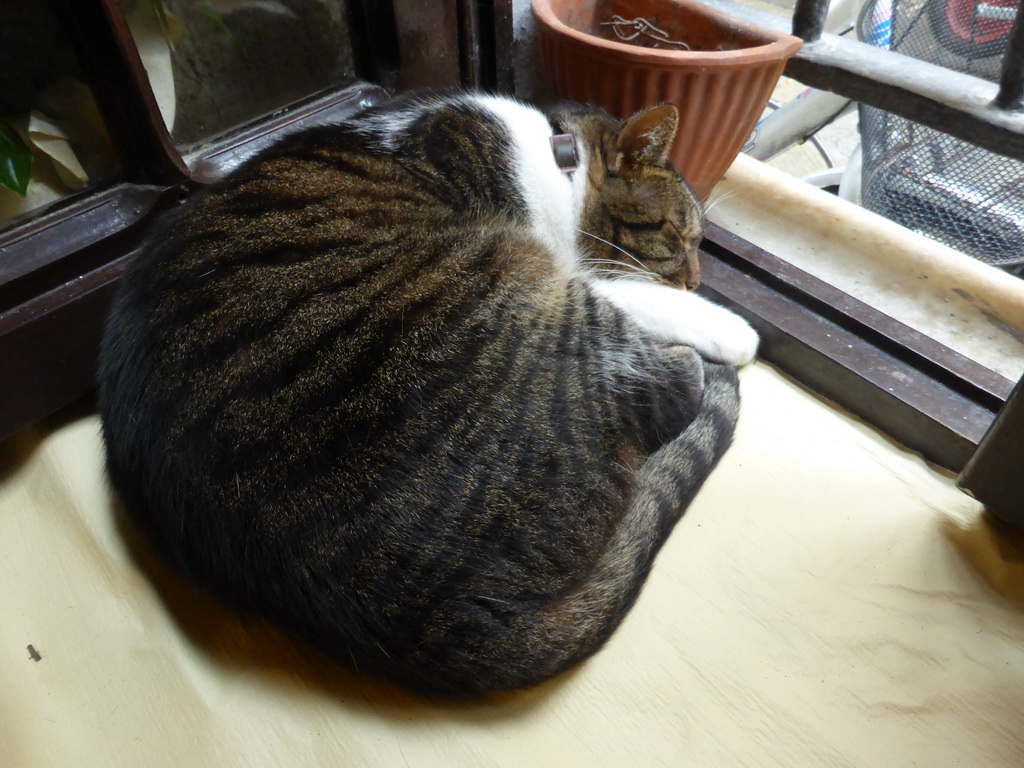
{"points": [[776, 46]]}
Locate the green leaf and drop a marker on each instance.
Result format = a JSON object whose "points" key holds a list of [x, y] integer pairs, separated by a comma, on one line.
{"points": [[15, 160]]}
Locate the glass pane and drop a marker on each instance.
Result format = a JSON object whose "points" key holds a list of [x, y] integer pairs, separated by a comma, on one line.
{"points": [[217, 64], [52, 139]]}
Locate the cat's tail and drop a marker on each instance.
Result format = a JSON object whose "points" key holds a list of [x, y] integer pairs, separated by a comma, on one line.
{"points": [[669, 480], [548, 638]]}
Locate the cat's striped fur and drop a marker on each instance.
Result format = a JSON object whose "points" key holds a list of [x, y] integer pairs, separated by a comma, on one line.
{"points": [[392, 385]]}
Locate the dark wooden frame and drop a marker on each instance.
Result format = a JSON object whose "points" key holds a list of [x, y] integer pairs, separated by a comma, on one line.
{"points": [[920, 392], [993, 474], [61, 266]]}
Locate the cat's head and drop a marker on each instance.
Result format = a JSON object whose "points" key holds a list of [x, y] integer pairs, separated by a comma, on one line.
{"points": [[638, 211]]}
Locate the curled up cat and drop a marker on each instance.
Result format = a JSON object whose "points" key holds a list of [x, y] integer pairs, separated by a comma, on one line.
{"points": [[420, 396]]}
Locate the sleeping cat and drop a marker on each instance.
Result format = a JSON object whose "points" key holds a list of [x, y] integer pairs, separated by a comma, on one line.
{"points": [[420, 396]]}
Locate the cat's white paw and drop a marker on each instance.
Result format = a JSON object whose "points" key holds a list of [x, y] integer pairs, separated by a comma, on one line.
{"points": [[731, 340], [680, 317]]}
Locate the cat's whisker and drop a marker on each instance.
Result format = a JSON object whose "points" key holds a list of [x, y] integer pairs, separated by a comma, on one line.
{"points": [[637, 271], [640, 269], [613, 245], [615, 263], [624, 468], [638, 276], [492, 599], [626, 276], [720, 199]]}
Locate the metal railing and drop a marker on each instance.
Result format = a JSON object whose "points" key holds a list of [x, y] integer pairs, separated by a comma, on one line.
{"points": [[986, 114]]}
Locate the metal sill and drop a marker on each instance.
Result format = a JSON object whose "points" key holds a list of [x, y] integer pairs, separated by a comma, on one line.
{"points": [[921, 393]]}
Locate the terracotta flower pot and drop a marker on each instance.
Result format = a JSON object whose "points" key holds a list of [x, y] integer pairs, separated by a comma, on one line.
{"points": [[720, 85]]}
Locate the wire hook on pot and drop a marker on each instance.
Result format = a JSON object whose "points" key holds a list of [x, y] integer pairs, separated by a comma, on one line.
{"points": [[628, 30]]}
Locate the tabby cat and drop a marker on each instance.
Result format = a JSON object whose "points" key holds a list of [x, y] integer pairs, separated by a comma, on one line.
{"points": [[424, 399]]}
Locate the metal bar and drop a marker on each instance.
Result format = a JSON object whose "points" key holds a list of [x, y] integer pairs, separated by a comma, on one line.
{"points": [[470, 44], [993, 473], [216, 159], [935, 359], [46, 239], [797, 117], [504, 46], [809, 19], [940, 98], [938, 360], [428, 44], [919, 410], [836, 364], [1011, 80]]}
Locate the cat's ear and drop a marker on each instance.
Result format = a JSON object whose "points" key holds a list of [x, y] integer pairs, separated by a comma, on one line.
{"points": [[645, 139]]}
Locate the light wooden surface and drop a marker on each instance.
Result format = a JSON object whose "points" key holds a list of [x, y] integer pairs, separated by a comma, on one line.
{"points": [[829, 600]]}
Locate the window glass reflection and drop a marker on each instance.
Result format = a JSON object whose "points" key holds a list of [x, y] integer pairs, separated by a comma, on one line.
{"points": [[52, 139], [217, 64]]}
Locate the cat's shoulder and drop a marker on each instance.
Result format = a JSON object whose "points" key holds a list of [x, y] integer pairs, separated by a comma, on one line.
{"points": [[468, 112]]}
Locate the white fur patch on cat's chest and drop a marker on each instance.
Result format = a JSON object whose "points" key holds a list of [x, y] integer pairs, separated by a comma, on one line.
{"points": [[554, 200]]}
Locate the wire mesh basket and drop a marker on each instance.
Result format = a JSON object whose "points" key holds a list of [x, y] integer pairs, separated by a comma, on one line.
{"points": [[928, 181]]}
